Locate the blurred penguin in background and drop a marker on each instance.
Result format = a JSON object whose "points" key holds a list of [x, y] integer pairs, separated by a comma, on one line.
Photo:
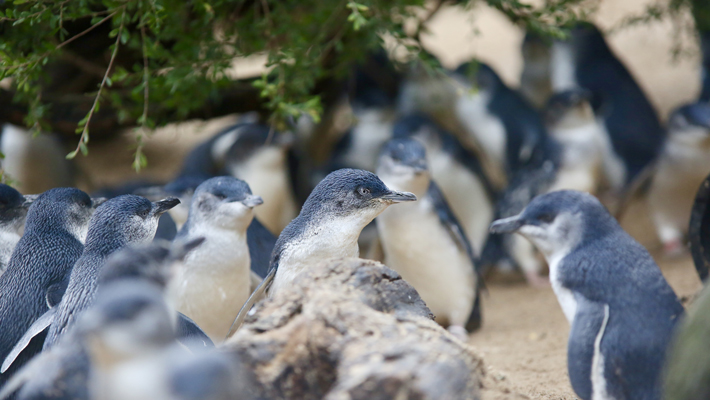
{"points": [[682, 166], [36, 163], [13, 212], [535, 82], [457, 172], [705, 48], [570, 120], [635, 133], [424, 241]]}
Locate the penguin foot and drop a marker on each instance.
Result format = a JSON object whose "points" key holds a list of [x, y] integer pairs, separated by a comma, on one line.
{"points": [[458, 331], [673, 248], [535, 280]]}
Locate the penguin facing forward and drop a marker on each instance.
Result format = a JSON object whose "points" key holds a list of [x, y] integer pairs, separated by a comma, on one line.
{"points": [[214, 280], [328, 227], [570, 120], [36, 275], [259, 156], [13, 212], [457, 172], [682, 166], [621, 310], [424, 241]]}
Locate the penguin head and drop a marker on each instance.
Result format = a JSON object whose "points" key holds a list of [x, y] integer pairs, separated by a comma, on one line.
{"points": [[124, 220], [691, 124], [352, 194], [224, 202], [13, 208], [481, 74], [67, 209], [420, 127], [558, 222], [128, 319], [403, 166], [569, 109], [148, 262], [257, 147]]}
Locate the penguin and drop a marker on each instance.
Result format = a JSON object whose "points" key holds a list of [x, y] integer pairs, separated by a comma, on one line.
{"points": [[116, 223], [424, 242], [214, 281], [705, 49], [457, 172], [621, 310], [35, 278], [329, 224], [699, 230], [22, 150], [259, 156], [682, 165], [65, 367], [535, 83], [635, 133], [13, 212], [571, 122]]}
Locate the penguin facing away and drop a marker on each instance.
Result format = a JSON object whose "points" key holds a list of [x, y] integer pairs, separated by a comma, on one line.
{"points": [[621, 310], [424, 242], [214, 280]]}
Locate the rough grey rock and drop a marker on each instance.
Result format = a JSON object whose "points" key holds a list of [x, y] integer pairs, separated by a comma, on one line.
{"points": [[353, 329]]}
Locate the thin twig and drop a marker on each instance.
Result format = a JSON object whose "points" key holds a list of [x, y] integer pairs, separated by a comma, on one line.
{"points": [[144, 117], [85, 132]]}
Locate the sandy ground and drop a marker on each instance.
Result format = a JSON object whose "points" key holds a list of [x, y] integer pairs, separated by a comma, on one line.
{"points": [[523, 340]]}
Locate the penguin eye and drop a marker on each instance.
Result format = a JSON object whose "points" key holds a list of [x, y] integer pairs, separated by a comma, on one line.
{"points": [[220, 196], [363, 191], [546, 218]]}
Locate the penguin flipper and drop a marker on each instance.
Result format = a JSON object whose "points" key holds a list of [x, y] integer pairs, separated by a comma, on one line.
{"points": [[258, 294], [37, 327], [189, 333], [255, 281]]}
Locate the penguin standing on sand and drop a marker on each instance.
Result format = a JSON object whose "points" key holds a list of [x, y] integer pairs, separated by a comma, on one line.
{"points": [[35, 277], [13, 212], [329, 225], [424, 241], [621, 310], [682, 166], [214, 281]]}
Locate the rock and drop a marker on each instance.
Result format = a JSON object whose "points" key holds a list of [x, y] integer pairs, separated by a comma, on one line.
{"points": [[353, 329]]}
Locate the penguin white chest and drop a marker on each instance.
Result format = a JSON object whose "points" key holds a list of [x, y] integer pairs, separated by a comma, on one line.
{"points": [[564, 296], [420, 248]]}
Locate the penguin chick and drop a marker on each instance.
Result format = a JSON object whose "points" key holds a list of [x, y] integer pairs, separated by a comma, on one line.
{"points": [[214, 281], [570, 120], [23, 152], [424, 242], [329, 225], [259, 156], [621, 310], [457, 172], [13, 212], [682, 166], [116, 223], [35, 277]]}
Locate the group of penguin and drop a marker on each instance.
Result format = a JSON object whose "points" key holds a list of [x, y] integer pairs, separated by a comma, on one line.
{"points": [[441, 177]]}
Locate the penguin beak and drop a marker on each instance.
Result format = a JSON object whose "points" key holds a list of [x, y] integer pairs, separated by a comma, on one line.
{"points": [[506, 225], [398, 197], [252, 201], [97, 201], [29, 199], [159, 207]]}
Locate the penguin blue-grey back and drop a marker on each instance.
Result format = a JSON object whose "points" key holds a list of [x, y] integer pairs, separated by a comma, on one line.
{"points": [[53, 241], [116, 223], [621, 310]]}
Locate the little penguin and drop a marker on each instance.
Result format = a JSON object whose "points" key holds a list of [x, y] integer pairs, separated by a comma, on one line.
{"points": [[535, 83], [259, 156], [424, 241], [457, 172], [329, 225], [635, 133], [116, 223], [34, 281], [682, 166], [13, 212], [621, 310], [570, 120], [214, 280], [23, 151]]}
